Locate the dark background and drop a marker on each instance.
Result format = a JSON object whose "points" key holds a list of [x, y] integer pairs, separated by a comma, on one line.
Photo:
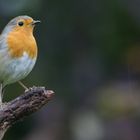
{"points": [[89, 54]]}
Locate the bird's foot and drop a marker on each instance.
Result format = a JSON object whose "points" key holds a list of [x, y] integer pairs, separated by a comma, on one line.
{"points": [[33, 88], [2, 105]]}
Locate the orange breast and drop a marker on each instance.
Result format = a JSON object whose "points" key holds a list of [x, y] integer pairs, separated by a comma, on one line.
{"points": [[20, 41]]}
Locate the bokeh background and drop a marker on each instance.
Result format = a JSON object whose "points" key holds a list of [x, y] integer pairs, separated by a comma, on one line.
{"points": [[89, 54]]}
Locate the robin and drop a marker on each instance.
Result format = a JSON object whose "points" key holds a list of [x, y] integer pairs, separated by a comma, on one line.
{"points": [[18, 51]]}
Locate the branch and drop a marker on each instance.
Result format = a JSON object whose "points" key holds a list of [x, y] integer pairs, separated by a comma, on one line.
{"points": [[22, 106]]}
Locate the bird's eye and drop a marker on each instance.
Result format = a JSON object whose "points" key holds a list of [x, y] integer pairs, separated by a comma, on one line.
{"points": [[20, 23]]}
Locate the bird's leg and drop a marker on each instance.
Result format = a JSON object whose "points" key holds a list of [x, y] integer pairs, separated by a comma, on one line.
{"points": [[1, 94], [23, 85]]}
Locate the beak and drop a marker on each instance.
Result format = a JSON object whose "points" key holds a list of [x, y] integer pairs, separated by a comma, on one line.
{"points": [[35, 22]]}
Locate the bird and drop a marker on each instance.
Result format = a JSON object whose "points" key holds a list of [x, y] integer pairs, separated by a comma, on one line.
{"points": [[18, 51]]}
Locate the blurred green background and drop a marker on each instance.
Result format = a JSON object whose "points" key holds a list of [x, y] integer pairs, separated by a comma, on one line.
{"points": [[89, 54]]}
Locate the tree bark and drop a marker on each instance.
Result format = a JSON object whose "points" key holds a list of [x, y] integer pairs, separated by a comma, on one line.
{"points": [[24, 105]]}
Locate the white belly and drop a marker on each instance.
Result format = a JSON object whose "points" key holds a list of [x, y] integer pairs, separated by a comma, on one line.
{"points": [[13, 70]]}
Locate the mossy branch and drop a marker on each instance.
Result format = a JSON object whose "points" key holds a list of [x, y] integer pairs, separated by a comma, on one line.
{"points": [[24, 105]]}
